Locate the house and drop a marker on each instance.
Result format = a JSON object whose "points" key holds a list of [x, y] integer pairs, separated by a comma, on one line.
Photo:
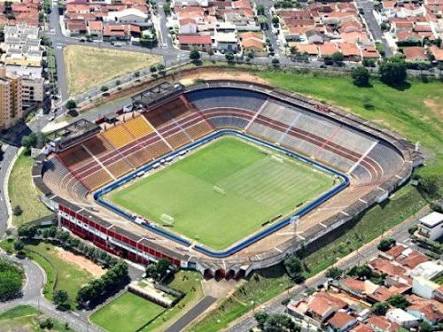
{"points": [[226, 42], [341, 322], [252, 42], [195, 42], [95, 28], [358, 288], [437, 54], [350, 51], [362, 328], [327, 49], [323, 305], [402, 318], [379, 323], [427, 312], [431, 226], [187, 26], [404, 255]]}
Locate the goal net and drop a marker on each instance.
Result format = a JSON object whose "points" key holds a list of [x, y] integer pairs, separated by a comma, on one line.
{"points": [[219, 190], [167, 219]]}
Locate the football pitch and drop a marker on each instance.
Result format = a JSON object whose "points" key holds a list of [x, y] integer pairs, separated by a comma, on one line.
{"points": [[223, 191]]}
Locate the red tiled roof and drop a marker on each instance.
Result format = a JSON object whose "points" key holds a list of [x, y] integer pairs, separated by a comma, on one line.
{"points": [[381, 323], [195, 39], [340, 320]]}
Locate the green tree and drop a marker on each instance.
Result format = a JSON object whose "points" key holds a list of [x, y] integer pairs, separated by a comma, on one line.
{"points": [[280, 322], [425, 327], [71, 104], [260, 10], [398, 301], [104, 88], [61, 300], [380, 308], [261, 317], [19, 245], [361, 271], [294, 267], [229, 57], [334, 273], [194, 55], [386, 244], [337, 57], [393, 72], [17, 211], [360, 76], [11, 280]]}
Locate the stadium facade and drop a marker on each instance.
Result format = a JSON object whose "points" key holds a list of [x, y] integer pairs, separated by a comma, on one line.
{"points": [[85, 160]]}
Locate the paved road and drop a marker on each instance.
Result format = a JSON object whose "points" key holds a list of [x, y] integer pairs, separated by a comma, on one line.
{"points": [[32, 295], [192, 314], [373, 26], [363, 254]]}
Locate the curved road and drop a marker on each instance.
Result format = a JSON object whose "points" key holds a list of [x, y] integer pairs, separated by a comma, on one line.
{"points": [[32, 295]]}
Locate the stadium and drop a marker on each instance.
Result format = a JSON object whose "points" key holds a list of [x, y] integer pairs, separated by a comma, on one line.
{"points": [[223, 177]]}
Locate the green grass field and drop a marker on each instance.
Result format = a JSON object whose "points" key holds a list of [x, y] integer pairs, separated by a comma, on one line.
{"points": [[228, 187], [25, 318], [144, 315], [22, 192], [61, 275], [128, 312]]}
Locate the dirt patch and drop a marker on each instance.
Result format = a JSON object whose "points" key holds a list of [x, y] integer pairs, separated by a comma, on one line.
{"points": [[218, 74], [435, 106], [218, 289], [80, 261]]}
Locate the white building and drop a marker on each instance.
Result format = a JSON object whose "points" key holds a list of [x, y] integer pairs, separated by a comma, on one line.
{"points": [[402, 318], [423, 287], [431, 226], [128, 16]]}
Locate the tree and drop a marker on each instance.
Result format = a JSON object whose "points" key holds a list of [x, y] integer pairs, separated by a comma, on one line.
{"points": [[337, 58], [380, 308], [17, 210], [260, 10], [275, 20], [361, 271], [398, 301], [194, 56], [61, 300], [360, 76], [229, 57], [159, 270], [261, 317], [280, 322], [11, 280], [104, 88], [386, 244], [334, 273], [428, 185], [393, 72], [275, 62], [294, 267], [71, 104], [19, 245], [27, 232], [425, 327], [153, 69]]}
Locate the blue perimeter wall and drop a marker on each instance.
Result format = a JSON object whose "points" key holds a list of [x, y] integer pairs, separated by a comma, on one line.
{"points": [[98, 195]]}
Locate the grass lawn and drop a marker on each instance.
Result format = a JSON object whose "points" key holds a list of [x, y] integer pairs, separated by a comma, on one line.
{"points": [[228, 187], [61, 275], [416, 112], [22, 192], [147, 316], [88, 66], [266, 284], [25, 318], [128, 312]]}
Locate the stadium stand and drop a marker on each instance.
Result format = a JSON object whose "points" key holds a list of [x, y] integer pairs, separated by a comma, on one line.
{"points": [[138, 127], [226, 98], [118, 136]]}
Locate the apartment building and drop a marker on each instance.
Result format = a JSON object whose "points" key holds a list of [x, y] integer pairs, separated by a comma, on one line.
{"points": [[11, 110]]}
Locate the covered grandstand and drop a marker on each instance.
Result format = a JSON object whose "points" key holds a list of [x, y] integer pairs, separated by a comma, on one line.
{"points": [[375, 162]]}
